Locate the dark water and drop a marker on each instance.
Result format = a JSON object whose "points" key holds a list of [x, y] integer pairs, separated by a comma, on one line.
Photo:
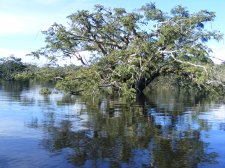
{"points": [[167, 129]]}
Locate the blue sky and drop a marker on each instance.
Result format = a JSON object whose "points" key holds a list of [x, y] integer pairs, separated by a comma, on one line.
{"points": [[22, 20]]}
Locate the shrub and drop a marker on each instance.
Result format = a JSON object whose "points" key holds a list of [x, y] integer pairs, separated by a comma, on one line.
{"points": [[45, 91]]}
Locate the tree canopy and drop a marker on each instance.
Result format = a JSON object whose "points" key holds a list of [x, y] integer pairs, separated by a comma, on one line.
{"points": [[131, 49], [10, 66]]}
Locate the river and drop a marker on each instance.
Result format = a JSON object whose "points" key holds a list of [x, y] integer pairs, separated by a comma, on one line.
{"points": [[166, 129]]}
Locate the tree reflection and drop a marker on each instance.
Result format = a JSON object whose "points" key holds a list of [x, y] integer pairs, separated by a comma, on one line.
{"points": [[159, 134], [14, 88]]}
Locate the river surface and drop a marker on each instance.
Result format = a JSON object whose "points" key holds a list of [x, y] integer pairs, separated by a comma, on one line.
{"points": [[166, 129]]}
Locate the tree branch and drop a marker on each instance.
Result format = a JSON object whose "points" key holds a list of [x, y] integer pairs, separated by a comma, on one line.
{"points": [[216, 82], [183, 62]]}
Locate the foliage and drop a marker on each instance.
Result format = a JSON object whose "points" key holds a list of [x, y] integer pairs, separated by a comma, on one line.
{"points": [[27, 74], [86, 80], [54, 73], [132, 49], [45, 73], [45, 91], [10, 66]]}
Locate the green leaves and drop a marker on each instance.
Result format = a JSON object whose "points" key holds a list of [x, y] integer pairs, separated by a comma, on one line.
{"points": [[11, 66], [152, 13], [180, 11], [131, 52]]}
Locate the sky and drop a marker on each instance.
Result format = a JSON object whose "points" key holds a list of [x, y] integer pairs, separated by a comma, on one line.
{"points": [[21, 21]]}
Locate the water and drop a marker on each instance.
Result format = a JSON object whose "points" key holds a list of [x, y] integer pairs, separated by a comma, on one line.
{"points": [[166, 129]]}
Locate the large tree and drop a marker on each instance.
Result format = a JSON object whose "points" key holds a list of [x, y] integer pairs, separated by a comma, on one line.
{"points": [[10, 66], [131, 49]]}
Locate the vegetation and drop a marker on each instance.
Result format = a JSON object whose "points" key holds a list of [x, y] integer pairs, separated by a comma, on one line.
{"points": [[54, 73], [10, 66], [131, 49], [27, 74], [45, 91], [46, 73]]}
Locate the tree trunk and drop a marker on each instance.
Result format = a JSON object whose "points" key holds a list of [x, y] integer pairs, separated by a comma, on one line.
{"points": [[142, 83]]}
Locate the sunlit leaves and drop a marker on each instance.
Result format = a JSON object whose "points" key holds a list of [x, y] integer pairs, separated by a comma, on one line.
{"points": [[133, 47]]}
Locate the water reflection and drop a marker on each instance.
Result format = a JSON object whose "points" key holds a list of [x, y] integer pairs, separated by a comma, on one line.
{"points": [[119, 135], [164, 129]]}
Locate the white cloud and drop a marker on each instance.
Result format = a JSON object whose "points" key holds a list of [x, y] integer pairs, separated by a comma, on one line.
{"points": [[12, 24], [27, 24], [218, 55], [6, 52], [20, 24]]}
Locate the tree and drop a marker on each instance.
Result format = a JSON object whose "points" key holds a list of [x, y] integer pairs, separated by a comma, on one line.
{"points": [[134, 48], [10, 66]]}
